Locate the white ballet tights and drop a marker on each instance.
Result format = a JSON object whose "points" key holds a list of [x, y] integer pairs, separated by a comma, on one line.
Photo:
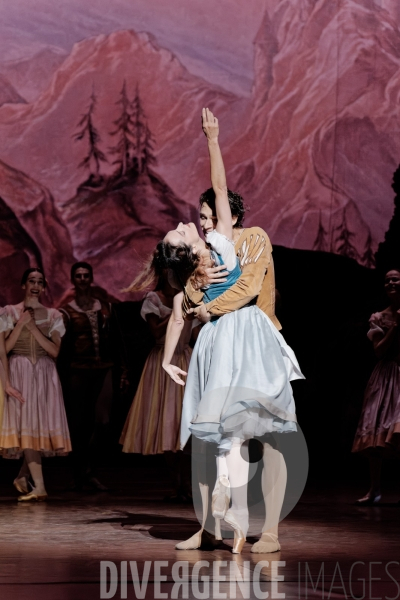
{"points": [[34, 461], [235, 466], [274, 478]]}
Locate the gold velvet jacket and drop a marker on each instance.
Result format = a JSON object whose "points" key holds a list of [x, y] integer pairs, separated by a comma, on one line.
{"points": [[256, 285]]}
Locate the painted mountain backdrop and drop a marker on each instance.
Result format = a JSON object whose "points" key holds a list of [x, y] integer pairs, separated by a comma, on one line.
{"points": [[100, 128]]}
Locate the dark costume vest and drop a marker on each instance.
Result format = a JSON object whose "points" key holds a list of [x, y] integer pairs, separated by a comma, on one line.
{"points": [[87, 343]]}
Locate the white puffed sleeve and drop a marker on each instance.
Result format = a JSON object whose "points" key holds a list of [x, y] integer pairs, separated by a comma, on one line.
{"points": [[223, 246], [151, 305], [6, 320], [57, 323]]}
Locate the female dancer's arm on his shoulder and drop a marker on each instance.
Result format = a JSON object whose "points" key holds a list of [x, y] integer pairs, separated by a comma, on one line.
{"points": [[174, 329], [255, 255]]}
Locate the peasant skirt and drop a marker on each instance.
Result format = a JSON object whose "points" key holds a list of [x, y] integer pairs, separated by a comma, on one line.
{"points": [[153, 422], [40, 423], [379, 425]]}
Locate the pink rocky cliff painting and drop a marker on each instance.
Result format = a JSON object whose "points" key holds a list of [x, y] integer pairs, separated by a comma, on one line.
{"points": [[100, 144]]}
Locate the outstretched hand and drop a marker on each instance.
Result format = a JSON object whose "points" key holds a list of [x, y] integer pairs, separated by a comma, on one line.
{"points": [[209, 124], [174, 373]]}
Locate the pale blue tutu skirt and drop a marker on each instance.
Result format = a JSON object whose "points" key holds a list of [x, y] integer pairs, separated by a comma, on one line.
{"points": [[238, 383]]}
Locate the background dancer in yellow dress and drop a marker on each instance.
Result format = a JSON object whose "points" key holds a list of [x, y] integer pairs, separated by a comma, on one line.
{"points": [[154, 420]]}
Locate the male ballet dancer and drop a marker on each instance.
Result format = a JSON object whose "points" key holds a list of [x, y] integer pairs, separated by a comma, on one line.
{"points": [[256, 285], [90, 349]]}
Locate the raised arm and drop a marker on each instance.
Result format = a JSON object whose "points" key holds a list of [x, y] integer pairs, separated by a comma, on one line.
{"points": [[174, 329], [218, 178]]}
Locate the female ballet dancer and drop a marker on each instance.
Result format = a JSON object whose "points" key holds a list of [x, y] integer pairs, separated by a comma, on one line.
{"points": [[39, 425], [238, 385], [154, 420], [378, 431]]}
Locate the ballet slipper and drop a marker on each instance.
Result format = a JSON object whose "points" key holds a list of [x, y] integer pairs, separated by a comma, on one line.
{"points": [[192, 543], [239, 537], [33, 497], [268, 543], [369, 499], [220, 497], [200, 540], [21, 484]]}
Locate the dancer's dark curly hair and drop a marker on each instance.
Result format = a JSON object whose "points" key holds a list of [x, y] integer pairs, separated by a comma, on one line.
{"points": [[236, 202], [181, 259]]}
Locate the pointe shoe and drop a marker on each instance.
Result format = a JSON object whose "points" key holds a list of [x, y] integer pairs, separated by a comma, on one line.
{"points": [[19, 485], [201, 539], [220, 497], [369, 500], [239, 537], [265, 545], [238, 543], [33, 497]]}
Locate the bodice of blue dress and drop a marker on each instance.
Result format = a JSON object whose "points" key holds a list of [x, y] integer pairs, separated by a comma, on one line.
{"points": [[216, 289], [223, 253]]}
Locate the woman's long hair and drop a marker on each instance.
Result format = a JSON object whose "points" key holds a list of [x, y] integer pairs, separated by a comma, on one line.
{"points": [[181, 259]]}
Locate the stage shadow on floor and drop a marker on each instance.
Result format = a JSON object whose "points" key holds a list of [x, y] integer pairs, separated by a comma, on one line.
{"points": [[160, 526]]}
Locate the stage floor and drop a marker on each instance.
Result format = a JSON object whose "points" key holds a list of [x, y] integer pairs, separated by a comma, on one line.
{"points": [[54, 550]]}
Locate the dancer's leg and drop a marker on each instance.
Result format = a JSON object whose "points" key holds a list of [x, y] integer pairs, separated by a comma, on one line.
{"points": [[375, 468], [102, 390], [21, 481], [84, 388], [34, 461], [274, 478], [237, 463], [209, 533], [374, 493], [24, 470], [222, 493]]}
